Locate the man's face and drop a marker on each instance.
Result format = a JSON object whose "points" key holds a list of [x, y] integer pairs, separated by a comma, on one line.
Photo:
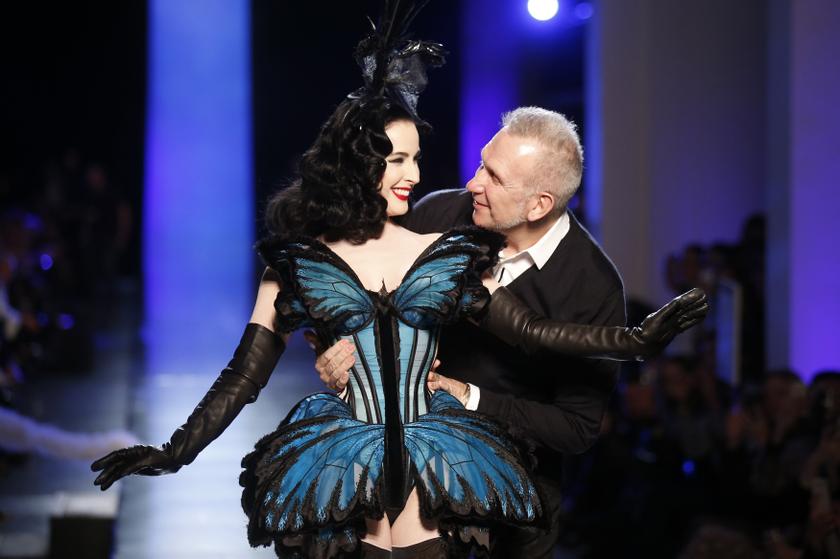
{"points": [[500, 188]]}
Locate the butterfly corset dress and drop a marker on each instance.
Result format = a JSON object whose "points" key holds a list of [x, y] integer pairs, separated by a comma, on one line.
{"points": [[332, 462]]}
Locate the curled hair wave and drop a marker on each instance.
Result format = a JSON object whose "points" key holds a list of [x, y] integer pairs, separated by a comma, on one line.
{"points": [[337, 192]]}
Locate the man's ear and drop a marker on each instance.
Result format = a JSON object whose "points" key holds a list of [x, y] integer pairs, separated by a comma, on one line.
{"points": [[542, 205]]}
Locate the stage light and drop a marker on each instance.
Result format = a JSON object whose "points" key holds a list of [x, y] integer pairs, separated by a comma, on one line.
{"points": [[65, 321], [543, 10], [46, 262], [197, 201], [584, 10]]}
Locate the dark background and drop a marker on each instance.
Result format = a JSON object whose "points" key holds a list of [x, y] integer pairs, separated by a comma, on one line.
{"points": [[74, 78], [75, 81]]}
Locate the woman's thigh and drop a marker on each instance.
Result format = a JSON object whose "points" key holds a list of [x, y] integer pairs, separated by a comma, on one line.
{"points": [[378, 533], [410, 528]]}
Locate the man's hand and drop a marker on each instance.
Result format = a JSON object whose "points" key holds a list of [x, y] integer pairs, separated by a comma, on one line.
{"points": [[334, 364], [436, 381]]}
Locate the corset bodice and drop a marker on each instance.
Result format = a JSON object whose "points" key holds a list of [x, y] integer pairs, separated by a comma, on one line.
{"points": [[396, 332], [414, 352], [332, 460]]}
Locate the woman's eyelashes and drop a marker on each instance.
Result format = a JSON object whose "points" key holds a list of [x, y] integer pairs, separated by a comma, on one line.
{"points": [[401, 159]]}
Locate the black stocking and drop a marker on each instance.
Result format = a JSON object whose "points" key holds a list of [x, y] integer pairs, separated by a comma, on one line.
{"points": [[429, 549], [370, 551]]}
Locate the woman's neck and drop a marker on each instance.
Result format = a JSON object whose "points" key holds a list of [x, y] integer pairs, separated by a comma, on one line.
{"points": [[390, 229]]}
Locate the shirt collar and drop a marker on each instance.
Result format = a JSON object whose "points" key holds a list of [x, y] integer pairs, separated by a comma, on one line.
{"points": [[542, 250]]}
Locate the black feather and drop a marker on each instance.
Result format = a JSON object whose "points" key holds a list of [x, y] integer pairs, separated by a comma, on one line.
{"points": [[393, 65]]}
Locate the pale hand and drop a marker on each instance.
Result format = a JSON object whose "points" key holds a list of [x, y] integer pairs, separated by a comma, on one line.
{"points": [[436, 381], [333, 365]]}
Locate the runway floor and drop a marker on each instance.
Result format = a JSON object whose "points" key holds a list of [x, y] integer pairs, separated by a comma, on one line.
{"points": [[192, 514]]}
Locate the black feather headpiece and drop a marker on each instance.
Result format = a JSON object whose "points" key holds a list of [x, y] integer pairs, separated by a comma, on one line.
{"points": [[393, 65]]}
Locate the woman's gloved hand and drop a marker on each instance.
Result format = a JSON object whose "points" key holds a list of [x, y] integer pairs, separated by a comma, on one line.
{"points": [[515, 323], [143, 460], [237, 385]]}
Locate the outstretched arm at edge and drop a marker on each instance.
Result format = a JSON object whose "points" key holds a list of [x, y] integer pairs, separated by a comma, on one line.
{"points": [[237, 385], [516, 324]]}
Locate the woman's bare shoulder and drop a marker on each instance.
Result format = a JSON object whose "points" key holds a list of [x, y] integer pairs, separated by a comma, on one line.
{"points": [[423, 241]]}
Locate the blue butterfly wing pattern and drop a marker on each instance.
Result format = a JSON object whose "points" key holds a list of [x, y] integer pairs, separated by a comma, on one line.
{"points": [[318, 283], [334, 295], [445, 281], [468, 466], [323, 465], [322, 471], [430, 290]]}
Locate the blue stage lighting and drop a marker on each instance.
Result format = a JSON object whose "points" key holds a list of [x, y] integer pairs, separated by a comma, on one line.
{"points": [[46, 262], [543, 10], [488, 89], [584, 10], [65, 321], [198, 197]]}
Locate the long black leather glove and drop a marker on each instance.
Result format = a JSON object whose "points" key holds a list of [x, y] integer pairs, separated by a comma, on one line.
{"points": [[238, 384], [515, 323]]}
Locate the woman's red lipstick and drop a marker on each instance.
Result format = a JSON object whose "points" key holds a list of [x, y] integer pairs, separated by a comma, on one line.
{"points": [[401, 193]]}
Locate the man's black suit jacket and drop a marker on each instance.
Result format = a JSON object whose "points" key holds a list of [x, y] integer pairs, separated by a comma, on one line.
{"points": [[556, 400]]}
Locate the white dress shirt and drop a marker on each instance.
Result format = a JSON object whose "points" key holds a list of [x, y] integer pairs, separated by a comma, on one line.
{"points": [[511, 267]]}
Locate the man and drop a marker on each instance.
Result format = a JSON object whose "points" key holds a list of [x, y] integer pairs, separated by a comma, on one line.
{"points": [[528, 173]]}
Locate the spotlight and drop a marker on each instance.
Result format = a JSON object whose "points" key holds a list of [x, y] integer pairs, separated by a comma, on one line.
{"points": [[66, 321], [543, 10], [584, 10], [46, 262]]}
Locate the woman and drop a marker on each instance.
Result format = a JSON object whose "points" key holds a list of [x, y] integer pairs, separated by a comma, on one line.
{"points": [[390, 465]]}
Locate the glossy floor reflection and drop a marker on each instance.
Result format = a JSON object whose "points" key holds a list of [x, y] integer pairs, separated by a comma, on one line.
{"points": [[196, 512], [36, 487]]}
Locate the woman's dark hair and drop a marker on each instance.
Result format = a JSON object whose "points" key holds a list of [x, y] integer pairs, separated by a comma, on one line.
{"points": [[337, 192]]}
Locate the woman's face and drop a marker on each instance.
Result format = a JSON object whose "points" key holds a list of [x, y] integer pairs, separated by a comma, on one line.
{"points": [[402, 171]]}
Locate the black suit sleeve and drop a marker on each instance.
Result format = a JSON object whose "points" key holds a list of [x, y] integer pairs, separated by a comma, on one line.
{"points": [[439, 211], [570, 421]]}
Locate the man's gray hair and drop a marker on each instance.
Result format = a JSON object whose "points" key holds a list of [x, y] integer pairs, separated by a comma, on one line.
{"points": [[560, 168]]}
